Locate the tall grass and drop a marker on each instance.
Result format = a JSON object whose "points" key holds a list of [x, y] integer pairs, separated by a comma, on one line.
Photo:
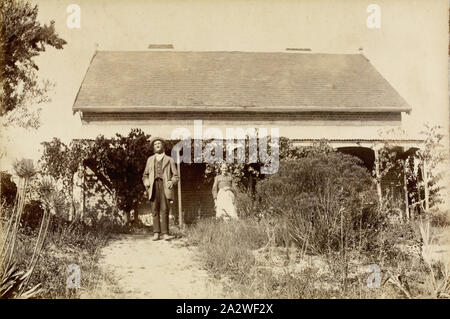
{"points": [[226, 247], [230, 251], [254, 259], [438, 279], [65, 244]]}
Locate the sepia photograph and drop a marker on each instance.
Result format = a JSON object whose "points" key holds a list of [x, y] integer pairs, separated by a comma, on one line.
{"points": [[224, 150]]}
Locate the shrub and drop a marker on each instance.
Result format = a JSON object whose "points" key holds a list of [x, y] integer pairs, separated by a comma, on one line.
{"points": [[327, 201], [117, 163], [8, 188], [32, 214], [245, 204]]}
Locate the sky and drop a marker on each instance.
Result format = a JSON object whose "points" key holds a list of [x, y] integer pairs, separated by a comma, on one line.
{"points": [[409, 49]]}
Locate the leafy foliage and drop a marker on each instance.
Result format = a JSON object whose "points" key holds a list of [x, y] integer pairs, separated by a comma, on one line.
{"points": [[61, 161], [8, 189], [22, 38], [122, 160], [12, 283], [326, 200], [118, 162], [432, 151], [32, 214]]}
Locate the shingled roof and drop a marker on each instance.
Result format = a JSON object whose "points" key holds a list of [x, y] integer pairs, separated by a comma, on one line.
{"points": [[142, 81]]}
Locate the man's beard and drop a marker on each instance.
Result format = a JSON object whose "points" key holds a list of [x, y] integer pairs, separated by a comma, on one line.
{"points": [[159, 151]]}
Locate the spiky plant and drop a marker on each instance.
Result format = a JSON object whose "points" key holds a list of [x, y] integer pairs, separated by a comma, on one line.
{"points": [[12, 283], [437, 280], [440, 283], [52, 202], [13, 279], [25, 170], [52, 199]]}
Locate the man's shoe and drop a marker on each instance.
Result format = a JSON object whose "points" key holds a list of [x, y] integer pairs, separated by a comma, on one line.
{"points": [[156, 236], [168, 237]]}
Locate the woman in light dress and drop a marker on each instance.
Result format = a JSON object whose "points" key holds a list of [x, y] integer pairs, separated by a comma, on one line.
{"points": [[76, 211], [223, 192]]}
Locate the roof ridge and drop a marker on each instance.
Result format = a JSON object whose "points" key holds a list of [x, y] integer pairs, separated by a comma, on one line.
{"points": [[222, 51]]}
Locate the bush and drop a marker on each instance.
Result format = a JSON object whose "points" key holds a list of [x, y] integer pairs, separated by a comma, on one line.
{"points": [[9, 189], [32, 214], [245, 204], [117, 163], [326, 200]]}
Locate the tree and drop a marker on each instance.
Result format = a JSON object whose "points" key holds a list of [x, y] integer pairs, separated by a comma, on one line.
{"points": [[122, 160], [61, 161], [118, 163], [22, 38]]}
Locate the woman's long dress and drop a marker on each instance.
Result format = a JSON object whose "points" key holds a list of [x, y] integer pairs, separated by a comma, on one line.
{"points": [[225, 199]]}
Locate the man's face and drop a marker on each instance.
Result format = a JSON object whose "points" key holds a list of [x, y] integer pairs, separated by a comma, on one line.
{"points": [[158, 147]]}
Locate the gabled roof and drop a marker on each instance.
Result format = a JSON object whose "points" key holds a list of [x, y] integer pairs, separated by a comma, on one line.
{"points": [[142, 81]]}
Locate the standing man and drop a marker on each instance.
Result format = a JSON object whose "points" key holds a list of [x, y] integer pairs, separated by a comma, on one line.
{"points": [[160, 177]]}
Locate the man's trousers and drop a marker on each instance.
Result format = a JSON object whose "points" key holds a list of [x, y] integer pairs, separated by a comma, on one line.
{"points": [[160, 208]]}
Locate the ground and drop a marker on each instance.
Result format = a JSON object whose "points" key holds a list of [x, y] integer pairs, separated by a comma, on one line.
{"points": [[143, 268]]}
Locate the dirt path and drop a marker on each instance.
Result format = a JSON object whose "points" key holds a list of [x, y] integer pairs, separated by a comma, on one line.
{"points": [[143, 268]]}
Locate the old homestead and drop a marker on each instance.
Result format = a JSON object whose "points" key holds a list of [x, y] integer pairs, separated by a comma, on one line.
{"points": [[308, 96]]}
